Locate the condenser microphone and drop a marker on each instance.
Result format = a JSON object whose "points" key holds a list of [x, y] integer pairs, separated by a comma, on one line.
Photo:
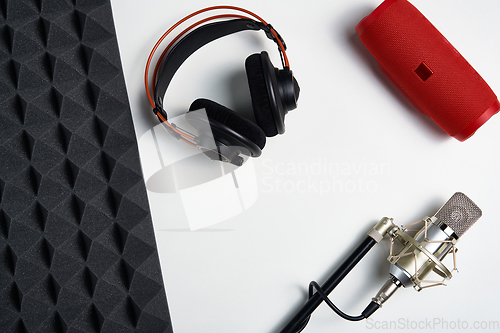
{"points": [[427, 69], [424, 252], [420, 255]]}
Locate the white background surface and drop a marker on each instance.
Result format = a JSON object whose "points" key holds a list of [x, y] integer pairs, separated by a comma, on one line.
{"points": [[354, 151]]}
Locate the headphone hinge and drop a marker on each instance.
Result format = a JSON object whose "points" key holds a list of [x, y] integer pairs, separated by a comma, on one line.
{"points": [[158, 110], [267, 29]]}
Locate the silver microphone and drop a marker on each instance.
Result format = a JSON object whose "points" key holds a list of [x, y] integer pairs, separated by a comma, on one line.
{"points": [[424, 252], [420, 255]]}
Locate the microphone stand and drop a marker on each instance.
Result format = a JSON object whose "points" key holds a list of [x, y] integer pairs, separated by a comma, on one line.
{"points": [[300, 320]]}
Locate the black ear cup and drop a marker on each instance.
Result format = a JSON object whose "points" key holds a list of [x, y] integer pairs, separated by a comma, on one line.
{"points": [[274, 92], [232, 133], [235, 122], [261, 101]]}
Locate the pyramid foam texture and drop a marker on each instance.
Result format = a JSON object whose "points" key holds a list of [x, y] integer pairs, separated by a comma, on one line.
{"points": [[77, 247]]}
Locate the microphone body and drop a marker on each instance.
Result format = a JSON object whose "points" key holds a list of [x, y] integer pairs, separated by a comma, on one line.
{"points": [[412, 260], [423, 253]]}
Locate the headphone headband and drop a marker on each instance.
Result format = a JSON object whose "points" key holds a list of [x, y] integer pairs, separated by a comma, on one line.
{"points": [[198, 38]]}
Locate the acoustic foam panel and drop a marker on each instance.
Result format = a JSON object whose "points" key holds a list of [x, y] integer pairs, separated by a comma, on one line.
{"points": [[77, 248]]}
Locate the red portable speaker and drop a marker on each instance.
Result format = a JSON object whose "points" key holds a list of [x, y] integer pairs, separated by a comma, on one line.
{"points": [[427, 69]]}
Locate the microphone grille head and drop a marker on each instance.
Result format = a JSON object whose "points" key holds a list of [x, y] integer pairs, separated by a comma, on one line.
{"points": [[459, 213]]}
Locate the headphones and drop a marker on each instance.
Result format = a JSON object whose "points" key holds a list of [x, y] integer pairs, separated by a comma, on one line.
{"points": [[273, 91]]}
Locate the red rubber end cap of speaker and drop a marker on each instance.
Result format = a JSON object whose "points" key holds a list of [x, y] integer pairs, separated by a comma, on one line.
{"points": [[472, 128], [365, 23]]}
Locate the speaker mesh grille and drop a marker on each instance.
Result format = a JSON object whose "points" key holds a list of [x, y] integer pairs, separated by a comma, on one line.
{"points": [[401, 39]]}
